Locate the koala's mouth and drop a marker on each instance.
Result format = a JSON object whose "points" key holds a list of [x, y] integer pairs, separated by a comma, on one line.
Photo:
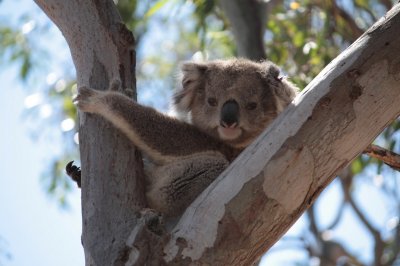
{"points": [[227, 133]]}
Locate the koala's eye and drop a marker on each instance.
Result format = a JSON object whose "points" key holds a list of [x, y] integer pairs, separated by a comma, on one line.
{"points": [[251, 106], [212, 101]]}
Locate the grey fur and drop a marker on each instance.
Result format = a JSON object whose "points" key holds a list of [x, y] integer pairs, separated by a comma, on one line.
{"points": [[186, 158]]}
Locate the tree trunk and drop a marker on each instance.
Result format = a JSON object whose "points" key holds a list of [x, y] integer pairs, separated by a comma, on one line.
{"points": [[112, 183], [248, 208], [248, 19]]}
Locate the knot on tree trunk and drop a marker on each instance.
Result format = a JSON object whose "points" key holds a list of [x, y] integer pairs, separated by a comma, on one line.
{"points": [[146, 241]]}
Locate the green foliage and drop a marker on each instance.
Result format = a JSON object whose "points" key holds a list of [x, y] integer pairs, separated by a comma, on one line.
{"points": [[156, 7], [303, 40], [55, 182], [14, 47]]}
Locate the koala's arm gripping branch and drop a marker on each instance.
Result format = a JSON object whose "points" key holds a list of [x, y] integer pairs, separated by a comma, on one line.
{"points": [[161, 137]]}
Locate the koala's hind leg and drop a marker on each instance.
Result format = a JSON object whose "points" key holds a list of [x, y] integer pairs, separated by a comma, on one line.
{"points": [[175, 185]]}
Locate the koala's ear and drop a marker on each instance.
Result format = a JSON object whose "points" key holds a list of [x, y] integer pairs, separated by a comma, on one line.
{"points": [[192, 77], [283, 89], [273, 70]]}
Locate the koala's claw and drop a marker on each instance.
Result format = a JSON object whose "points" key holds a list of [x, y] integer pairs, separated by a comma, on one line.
{"points": [[85, 100], [83, 94], [74, 172]]}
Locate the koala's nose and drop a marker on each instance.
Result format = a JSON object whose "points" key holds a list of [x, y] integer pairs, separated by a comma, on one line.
{"points": [[230, 114]]}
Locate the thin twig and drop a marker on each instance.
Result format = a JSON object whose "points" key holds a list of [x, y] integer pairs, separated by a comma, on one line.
{"points": [[388, 157]]}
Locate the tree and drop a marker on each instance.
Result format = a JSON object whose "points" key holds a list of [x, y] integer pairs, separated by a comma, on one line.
{"points": [[315, 141]]}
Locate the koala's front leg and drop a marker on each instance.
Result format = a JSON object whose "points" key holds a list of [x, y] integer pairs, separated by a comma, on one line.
{"points": [[94, 101], [90, 100], [161, 137]]}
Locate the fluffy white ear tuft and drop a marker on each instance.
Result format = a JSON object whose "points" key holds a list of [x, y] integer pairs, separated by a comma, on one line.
{"points": [[282, 88], [192, 80]]}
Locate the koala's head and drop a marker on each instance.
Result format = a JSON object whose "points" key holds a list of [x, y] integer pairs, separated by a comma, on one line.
{"points": [[233, 100]]}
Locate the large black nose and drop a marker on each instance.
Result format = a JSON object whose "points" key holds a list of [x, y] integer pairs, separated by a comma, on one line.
{"points": [[230, 114]]}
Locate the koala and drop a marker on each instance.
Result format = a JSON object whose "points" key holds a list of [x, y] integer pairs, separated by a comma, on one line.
{"points": [[226, 105]]}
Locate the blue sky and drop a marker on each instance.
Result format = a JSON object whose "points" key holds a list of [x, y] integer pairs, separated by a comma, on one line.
{"points": [[33, 228], [37, 232]]}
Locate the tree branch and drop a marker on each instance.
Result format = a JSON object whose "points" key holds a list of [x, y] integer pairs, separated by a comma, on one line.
{"points": [[379, 244], [395, 248], [388, 157], [246, 210], [328, 251]]}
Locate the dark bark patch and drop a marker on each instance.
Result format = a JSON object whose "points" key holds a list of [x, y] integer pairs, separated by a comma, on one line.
{"points": [[356, 91]]}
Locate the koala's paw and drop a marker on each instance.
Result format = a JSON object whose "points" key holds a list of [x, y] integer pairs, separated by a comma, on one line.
{"points": [[74, 172], [87, 99]]}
